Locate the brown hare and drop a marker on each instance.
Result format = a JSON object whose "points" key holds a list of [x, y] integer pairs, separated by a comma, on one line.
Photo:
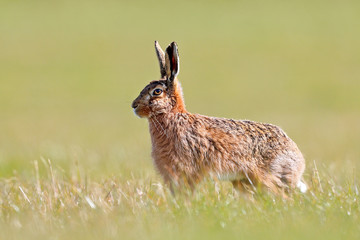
{"points": [[187, 147]]}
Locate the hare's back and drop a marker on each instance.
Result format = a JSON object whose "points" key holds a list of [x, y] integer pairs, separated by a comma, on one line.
{"points": [[259, 139]]}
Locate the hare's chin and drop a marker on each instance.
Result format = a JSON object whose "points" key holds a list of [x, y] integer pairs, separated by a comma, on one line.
{"points": [[137, 113]]}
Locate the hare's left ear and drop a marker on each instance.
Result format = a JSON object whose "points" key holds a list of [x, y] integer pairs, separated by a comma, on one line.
{"points": [[172, 64], [161, 57]]}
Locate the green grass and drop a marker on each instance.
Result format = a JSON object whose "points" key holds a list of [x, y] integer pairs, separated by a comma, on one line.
{"points": [[69, 71], [76, 207]]}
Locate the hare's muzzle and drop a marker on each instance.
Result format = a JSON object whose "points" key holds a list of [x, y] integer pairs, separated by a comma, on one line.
{"points": [[134, 105], [136, 108]]}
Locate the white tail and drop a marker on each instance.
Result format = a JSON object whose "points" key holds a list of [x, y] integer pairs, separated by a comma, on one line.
{"points": [[302, 187]]}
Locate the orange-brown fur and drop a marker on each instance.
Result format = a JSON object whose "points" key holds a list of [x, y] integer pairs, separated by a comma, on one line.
{"points": [[187, 147]]}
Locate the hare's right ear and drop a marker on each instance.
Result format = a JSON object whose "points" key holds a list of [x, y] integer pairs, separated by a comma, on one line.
{"points": [[172, 64], [161, 57]]}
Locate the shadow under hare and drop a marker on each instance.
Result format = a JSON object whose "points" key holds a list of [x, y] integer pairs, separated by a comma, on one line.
{"points": [[188, 147]]}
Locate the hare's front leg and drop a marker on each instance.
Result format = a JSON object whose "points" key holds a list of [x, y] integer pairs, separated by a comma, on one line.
{"points": [[167, 176], [170, 184], [179, 177], [180, 183]]}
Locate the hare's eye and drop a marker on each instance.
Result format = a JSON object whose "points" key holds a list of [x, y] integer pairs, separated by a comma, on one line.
{"points": [[157, 92]]}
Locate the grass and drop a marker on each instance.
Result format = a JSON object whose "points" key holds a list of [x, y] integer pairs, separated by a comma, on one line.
{"points": [[75, 206], [70, 70]]}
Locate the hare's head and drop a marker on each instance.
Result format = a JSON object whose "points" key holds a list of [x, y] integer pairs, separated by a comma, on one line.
{"points": [[163, 95]]}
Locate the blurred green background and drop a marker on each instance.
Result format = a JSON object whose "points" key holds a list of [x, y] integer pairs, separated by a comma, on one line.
{"points": [[69, 71]]}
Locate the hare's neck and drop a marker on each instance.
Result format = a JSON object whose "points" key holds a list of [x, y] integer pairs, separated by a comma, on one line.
{"points": [[163, 127], [159, 125], [179, 106]]}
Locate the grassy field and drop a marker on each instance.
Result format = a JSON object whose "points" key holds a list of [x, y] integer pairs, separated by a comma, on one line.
{"points": [[75, 162]]}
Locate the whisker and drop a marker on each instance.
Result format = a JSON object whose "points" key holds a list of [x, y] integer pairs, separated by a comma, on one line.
{"points": [[155, 125], [163, 130]]}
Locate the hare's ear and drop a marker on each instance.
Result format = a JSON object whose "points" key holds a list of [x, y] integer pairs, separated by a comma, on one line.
{"points": [[172, 62], [161, 57]]}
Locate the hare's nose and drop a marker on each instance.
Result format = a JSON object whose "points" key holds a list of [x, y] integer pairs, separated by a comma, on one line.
{"points": [[134, 105]]}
